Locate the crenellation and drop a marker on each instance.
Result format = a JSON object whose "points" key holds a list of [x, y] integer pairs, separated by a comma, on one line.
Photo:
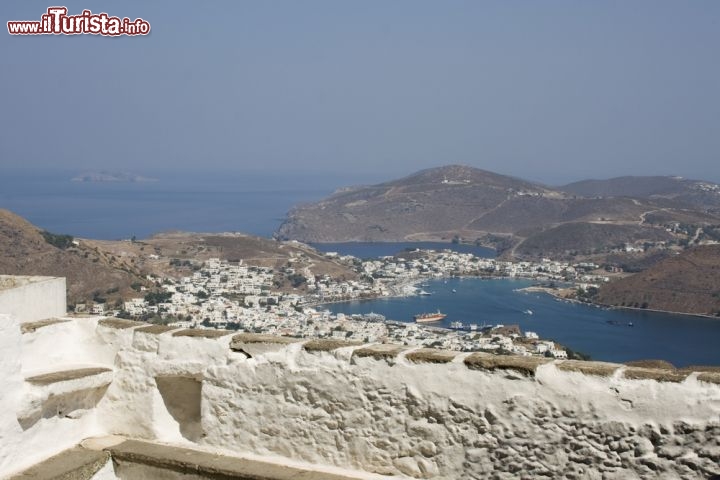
{"points": [[328, 344], [242, 338], [525, 365], [709, 377], [381, 351], [30, 327], [201, 333], [431, 355], [121, 323], [657, 374], [156, 329], [601, 369]]}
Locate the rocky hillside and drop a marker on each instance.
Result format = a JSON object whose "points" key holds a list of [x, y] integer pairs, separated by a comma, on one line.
{"points": [[113, 270], [456, 201], [177, 254], [91, 272], [689, 282], [682, 191]]}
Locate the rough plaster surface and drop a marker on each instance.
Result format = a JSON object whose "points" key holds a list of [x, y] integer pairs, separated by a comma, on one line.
{"points": [[376, 409], [39, 421], [421, 419]]}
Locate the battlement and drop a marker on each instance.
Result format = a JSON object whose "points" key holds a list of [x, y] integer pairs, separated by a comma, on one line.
{"points": [[373, 409]]}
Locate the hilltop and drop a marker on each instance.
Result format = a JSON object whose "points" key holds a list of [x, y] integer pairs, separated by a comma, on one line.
{"points": [[688, 282], [523, 218], [691, 193]]}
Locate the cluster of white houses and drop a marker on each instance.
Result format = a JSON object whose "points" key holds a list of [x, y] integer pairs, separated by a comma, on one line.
{"points": [[231, 295]]}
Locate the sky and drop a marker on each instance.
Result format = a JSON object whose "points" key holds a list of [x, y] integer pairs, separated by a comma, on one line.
{"points": [[551, 91]]}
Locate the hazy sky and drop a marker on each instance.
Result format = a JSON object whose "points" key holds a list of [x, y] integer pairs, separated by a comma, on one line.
{"points": [[546, 90]]}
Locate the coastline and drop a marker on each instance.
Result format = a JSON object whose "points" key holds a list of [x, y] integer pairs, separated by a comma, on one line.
{"points": [[414, 283], [556, 294]]}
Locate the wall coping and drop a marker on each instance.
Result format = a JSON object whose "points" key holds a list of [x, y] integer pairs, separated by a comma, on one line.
{"points": [[474, 361]]}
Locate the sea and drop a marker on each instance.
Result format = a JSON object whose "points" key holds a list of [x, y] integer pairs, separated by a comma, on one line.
{"points": [[257, 203], [254, 203], [613, 335]]}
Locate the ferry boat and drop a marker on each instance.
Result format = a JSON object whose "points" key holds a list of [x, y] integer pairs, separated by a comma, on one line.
{"points": [[429, 317]]}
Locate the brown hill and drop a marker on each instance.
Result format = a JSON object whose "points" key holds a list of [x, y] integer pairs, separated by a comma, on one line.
{"points": [[177, 254], [91, 273], [457, 201], [683, 191], [570, 239], [114, 270], [688, 282]]}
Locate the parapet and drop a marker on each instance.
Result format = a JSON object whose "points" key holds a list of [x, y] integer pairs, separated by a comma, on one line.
{"points": [[184, 398], [525, 365]]}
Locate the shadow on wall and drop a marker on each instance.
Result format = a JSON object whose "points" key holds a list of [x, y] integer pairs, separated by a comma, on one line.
{"points": [[181, 396], [62, 405]]}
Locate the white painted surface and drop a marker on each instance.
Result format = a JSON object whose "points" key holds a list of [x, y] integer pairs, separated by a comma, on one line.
{"points": [[33, 298], [20, 448], [420, 420], [332, 409]]}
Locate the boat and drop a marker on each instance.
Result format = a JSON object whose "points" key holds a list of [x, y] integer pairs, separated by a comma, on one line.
{"points": [[528, 312], [630, 324], [456, 325], [423, 292], [429, 317], [454, 291]]}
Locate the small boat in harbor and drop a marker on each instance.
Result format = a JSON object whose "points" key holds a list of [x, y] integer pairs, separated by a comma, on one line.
{"points": [[528, 312], [429, 317], [423, 292]]}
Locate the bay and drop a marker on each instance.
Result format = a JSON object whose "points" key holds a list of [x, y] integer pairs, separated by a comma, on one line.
{"points": [[603, 334]]}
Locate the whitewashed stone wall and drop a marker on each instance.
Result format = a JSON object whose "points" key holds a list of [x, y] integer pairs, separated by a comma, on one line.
{"points": [[389, 415], [383, 410]]}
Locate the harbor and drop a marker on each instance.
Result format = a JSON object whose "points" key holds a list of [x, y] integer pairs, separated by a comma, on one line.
{"points": [[603, 334]]}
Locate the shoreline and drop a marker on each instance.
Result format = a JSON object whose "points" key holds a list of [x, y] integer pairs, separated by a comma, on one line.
{"points": [[531, 289], [415, 283], [653, 310], [553, 293]]}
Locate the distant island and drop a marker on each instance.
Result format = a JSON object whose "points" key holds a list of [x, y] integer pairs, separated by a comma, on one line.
{"points": [[111, 177]]}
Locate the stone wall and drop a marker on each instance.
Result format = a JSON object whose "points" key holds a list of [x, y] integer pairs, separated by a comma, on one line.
{"points": [[391, 410]]}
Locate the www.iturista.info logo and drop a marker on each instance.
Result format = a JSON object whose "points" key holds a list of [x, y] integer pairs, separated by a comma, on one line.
{"points": [[57, 22]]}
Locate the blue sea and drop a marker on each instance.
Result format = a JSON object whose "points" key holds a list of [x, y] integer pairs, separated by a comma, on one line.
{"points": [[199, 202], [603, 334], [257, 204]]}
